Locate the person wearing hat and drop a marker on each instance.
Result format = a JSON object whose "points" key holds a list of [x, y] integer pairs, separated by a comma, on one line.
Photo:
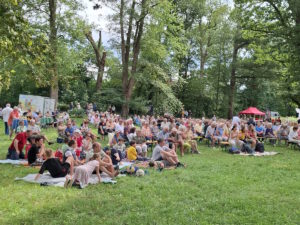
{"points": [[15, 150]]}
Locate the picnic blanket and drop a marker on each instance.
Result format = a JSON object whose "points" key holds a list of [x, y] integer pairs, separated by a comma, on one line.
{"points": [[259, 154], [59, 182], [14, 162]]}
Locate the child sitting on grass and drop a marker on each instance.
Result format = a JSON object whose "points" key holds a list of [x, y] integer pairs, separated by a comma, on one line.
{"points": [[84, 172], [55, 167], [132, 153]]}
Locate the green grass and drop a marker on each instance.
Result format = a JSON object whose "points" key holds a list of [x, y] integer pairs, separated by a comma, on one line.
{"points": [[215, 188]]}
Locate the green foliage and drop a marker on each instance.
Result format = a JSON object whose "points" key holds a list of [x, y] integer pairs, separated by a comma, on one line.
{"points": [[77, 113]]}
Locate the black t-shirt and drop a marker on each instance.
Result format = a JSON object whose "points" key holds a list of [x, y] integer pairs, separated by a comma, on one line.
{"points": [[55, 168], [33, 151], [102, 125], [113, 157]]}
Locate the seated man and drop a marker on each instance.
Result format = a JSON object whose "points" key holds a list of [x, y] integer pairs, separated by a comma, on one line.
{"points": [[210, 133], [140, 141], [55, 167], [162, 152], [69, 131], [36, 150], [17, 145]]}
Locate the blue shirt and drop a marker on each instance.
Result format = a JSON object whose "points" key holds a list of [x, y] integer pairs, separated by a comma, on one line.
{"points": [[69, 130]]}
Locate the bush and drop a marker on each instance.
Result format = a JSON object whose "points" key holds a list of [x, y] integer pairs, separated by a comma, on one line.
{"points": [[78, 113], [62, 107]]}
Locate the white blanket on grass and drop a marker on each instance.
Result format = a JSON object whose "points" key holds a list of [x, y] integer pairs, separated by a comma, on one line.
{"points": [[259, 154], [13, 162], [59, 182]]}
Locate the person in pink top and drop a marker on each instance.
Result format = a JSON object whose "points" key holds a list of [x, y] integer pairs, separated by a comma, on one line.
{"points": [[84, 172]]}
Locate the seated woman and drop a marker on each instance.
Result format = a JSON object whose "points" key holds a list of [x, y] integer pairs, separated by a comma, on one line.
{"points": [[146, 131], [96, 120], [102, 128], [131, 134], [85, 128], [233, 139], [251, 136], [55, 167], [105, 161], [190, 139], [293, 136], [21, 127], [270, 134], [61, 130], [283, 133], [110, 126], [36, 151]]}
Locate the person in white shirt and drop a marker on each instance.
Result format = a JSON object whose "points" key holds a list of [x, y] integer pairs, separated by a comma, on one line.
{"points": [[5, 113], [293, 135]]}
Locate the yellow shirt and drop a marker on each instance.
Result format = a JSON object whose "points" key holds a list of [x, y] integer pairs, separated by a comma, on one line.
{"points": [[131, 153]]}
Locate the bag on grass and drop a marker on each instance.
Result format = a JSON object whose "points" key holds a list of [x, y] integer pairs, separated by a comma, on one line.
{"points": [[259, 147]]}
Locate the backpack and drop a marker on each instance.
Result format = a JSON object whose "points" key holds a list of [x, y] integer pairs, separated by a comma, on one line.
{"points": [[259, 147]]}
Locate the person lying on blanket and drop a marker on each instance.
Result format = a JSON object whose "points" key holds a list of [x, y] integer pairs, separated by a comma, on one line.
{"points": [[55, 167], [84, 172], [15, 150], [162, 152], [36, 151]]}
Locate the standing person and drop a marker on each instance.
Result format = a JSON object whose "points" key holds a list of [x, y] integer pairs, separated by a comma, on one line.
{"points": [[13, 120], [113, 109], [15, 150], [5, 113]]}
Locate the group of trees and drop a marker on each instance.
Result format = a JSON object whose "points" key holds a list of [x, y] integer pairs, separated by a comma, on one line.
{"points": [[207, 56]]}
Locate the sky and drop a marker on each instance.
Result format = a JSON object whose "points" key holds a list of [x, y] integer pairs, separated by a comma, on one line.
{"points": [[99, 18]]}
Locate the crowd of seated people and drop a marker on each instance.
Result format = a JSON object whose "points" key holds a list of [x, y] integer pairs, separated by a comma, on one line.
{"points": [[130, 139]]}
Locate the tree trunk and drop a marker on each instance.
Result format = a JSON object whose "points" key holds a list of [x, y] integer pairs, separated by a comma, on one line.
{"points": [[53, 50], [232, 80], [129, 81], [100, 59]]}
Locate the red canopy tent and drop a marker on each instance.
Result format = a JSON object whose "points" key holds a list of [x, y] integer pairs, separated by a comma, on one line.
{"points": [[252, 111]]}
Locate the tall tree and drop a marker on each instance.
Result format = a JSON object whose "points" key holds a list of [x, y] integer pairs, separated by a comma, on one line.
{"points": [[100, 57], [53, 49]]}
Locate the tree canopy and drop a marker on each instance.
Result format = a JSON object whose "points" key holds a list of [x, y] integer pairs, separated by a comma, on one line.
{"points": [[209, 57]]}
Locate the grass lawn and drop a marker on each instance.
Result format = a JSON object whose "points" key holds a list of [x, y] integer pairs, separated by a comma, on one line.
{"points": [[215, 188]]}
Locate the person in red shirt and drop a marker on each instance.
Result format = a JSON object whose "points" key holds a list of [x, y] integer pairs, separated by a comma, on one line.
{"points": [[13, 115], [15, 150]]}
